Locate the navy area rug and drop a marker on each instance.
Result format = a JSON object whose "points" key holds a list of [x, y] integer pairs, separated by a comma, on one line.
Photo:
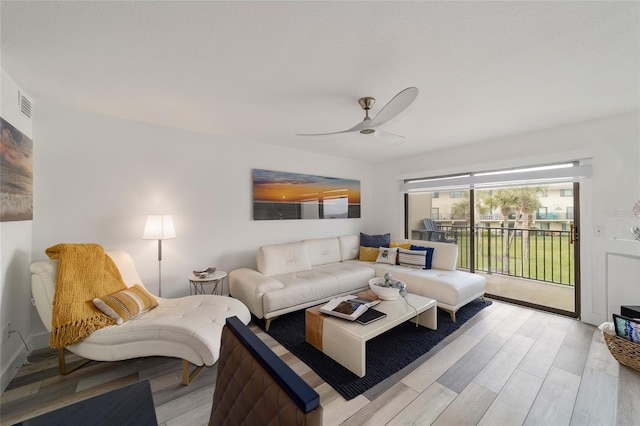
{"points": [[386, 354]]}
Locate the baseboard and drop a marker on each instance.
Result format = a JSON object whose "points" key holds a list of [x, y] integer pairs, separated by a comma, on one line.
{"points": [[40, 340], [14, 355]]}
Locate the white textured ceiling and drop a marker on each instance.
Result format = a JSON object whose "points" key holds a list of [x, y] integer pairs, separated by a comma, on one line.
{"points": [[264, 71]]}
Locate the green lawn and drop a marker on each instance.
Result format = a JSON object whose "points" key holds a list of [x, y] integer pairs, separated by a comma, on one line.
{"points": [[550, 256]]}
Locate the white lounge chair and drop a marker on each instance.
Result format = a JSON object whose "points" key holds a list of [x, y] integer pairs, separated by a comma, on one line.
{"points": [[189, 328]]}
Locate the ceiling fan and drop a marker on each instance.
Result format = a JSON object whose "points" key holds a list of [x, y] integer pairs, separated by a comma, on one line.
{"points": [[369, 125]]}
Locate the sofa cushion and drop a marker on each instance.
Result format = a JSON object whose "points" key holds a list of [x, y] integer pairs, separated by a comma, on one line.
{"points": [[126, 304], [382, 240], [351, 275], [405, 245], [279, 259], [349, 247], [429, 255], [300, 288], [368, 254], [387, 255], [445, 255], [323, 250], [412, 258], [449, 288]]}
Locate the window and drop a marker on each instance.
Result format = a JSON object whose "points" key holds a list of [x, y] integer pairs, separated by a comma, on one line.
{"points": [[435, 195], [457, 194], [435, 213], [542, 213], [566, 192], [569, 213]]}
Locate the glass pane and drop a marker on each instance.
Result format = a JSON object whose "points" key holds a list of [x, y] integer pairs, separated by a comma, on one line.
{"points": [[522, 238]]}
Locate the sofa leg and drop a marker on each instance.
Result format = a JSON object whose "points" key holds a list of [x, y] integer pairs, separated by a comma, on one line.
{"points": [[188, 378], [453, 316], [267, 323], [483, 299], [62, 365]]}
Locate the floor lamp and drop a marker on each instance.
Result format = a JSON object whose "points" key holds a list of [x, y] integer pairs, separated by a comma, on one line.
{"points": [[159, 227]]}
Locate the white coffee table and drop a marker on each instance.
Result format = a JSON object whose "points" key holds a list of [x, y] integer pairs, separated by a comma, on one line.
{"points": [[345, 341]]}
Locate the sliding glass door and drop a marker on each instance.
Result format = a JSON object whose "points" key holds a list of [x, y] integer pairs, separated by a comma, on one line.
{"points": [[523, 239]]}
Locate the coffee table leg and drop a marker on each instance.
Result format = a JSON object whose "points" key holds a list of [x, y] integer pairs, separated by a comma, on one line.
{"points": [[344, 348], [429, 318]]}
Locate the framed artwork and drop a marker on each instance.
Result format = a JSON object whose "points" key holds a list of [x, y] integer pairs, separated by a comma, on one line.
{"points": [[16, 174], [283, 195]]}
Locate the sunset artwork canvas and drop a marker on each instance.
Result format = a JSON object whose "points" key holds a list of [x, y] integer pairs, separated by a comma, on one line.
{"points": [[16, 174], [282, 195]]}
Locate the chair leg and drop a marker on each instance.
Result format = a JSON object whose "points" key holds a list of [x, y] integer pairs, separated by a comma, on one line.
{"points": [[62, 366], [189, 377]]}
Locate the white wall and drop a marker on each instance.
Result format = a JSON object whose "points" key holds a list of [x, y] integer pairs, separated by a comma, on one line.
{"points": [[15, 256], [607, 199], [98, 177]]}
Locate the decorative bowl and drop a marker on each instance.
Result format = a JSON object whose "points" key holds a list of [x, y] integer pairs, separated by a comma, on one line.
{"points": [[384, 293]]}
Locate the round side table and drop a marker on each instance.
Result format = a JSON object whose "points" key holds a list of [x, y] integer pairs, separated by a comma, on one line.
{"points": [[196, 284]]}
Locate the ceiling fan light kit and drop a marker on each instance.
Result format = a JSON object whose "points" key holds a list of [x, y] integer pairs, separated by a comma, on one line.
{"points": [[369, 125]]}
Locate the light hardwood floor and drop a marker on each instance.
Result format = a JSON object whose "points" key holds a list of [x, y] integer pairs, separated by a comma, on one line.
{"points": [[508, 365]]}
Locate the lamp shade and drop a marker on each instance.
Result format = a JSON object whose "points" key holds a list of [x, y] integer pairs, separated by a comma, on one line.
{"points": [[159, 227]]}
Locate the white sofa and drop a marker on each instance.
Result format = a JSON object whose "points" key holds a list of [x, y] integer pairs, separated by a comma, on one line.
{"points": [[294, 276], [188, 327]]}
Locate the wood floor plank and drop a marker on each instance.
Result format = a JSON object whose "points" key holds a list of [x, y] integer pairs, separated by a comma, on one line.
{"points": [[21, 392], [597, 399], [468, 408], [555, 401], [540, 357], [383, 409], [513, 403], [423, 376], [426, 407], [498, 371], [628, 408], [572, 355], [600, 357], [512, 323], [491, 322], [536, 323], [460, 374], [340, 410]]}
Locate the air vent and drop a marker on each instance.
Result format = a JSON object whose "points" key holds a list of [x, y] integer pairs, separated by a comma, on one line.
{"points": [[25, 104]]}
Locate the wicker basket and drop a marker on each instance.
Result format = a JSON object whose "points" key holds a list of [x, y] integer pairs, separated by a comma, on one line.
{"points": [[625, 352]]}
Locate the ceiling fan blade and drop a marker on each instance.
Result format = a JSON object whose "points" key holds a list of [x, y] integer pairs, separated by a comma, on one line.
{"points": [[395, 106], [355, 128], [387, 137]]}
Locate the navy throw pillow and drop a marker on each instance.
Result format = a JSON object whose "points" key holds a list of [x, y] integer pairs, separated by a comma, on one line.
{"points": [[382, 240], [429, 251]]}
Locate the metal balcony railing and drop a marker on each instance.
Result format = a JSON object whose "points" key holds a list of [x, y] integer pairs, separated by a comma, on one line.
{"points": [[535, 254]]}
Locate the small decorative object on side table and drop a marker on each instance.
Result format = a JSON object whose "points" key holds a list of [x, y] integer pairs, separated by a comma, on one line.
{"points": [[197, 282]]}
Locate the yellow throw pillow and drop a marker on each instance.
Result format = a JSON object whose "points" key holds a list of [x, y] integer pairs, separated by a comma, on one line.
{"points": [[405, 246], [368, 254], [126, 304]]}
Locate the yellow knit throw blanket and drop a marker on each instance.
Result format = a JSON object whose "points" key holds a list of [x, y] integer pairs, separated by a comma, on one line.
{"points": [[85, 271]]}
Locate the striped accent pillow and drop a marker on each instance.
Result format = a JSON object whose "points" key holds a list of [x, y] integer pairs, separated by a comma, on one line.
{"points": [[412, 258], [126, 304]]}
